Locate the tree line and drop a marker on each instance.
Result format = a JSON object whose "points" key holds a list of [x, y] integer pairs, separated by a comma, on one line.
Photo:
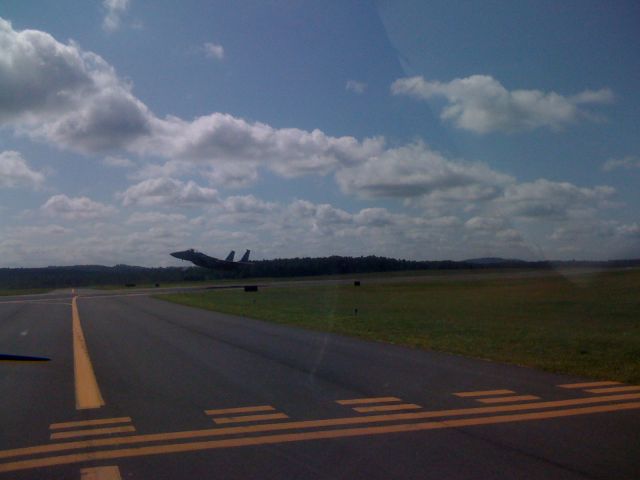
{"points": [[98, 275]]}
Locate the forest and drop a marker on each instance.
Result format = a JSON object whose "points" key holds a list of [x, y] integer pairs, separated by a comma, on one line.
{"points": [[98, 275]]}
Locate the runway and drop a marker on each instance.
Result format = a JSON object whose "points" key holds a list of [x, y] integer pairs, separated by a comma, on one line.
{"points": [[139, 388]]}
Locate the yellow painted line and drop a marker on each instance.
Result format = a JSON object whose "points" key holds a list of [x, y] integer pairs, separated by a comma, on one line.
{"points": [[484, 393], [89, 423], [362, 401], [388, 408], [92, 432], [516, 398], [87, 392], [226, 411], [250, 418], [304, 436], [100, 473], [588, 384], [630, 388], [332, 422]]}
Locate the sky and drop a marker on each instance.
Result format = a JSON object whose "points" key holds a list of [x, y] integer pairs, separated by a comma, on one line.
{"points": [[424, 130]]}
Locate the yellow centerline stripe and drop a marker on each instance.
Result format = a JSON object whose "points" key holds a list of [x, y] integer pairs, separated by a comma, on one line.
{"points": [[388, 408], [100, 473], [304, 436], [250, 418], [88, 423], [588, 384], [484, 393], [87, 392], [92, 432], [332, 422], [224, 411], [630, 388], [362, 401], [516, 398]]}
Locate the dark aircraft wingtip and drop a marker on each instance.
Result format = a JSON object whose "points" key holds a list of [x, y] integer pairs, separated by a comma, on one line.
{"points": [[22, 358]]}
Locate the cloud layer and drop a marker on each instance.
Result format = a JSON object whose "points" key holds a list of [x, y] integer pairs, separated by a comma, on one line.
{"points": [[75, 100], [72, 99]]}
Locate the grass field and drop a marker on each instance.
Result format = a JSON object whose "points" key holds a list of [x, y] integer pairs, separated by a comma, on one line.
{"points": [[23, 291], [587, 325]]}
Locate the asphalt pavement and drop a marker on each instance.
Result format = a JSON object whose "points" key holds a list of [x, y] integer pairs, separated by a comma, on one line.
{"points": [[139, 388]]}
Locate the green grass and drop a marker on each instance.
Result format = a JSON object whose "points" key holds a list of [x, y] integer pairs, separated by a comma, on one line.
{"points": [[586, 325], [448, 274], [23, 291]]}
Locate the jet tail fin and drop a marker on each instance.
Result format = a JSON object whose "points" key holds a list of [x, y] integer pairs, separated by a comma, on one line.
{"points": [[245, 257], [230, 256]]}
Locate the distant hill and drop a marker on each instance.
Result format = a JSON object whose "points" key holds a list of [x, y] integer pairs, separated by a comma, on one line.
{"points": [[492, 261]]}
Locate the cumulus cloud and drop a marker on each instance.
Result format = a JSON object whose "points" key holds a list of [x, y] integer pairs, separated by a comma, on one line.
{"points": [[167, 191], [213, 50], [630, 230], [627, 163], [114, 11], [75, 100], [417, 171], [545, 199], [227, 139], [69, 97], [246, 204], [15, 172], [356, 87], [481, 104], [156, 218], [232, 175], [76, 208]]}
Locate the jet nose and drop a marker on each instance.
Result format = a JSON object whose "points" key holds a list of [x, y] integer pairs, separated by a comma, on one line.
{"points": [[175, 254]]}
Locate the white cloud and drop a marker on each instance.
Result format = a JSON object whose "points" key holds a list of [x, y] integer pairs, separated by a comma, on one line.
{"points": [[545, 199], [213, 50], [168, 191], [630, 230], [224, 139], [76, 208], [232, 175], [356, 87], [416, 171], [247, 204], [481, 104], [114, 11], [626, 163], [75, 100], [117, 162], [69, 97], [15, 172], [156, 218]]}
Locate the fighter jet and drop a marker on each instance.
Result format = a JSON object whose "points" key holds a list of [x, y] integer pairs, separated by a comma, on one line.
{"points": [[202, 260]]}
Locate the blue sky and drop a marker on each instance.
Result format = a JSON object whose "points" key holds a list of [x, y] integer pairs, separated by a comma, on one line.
{"points": [[421, 130]]}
